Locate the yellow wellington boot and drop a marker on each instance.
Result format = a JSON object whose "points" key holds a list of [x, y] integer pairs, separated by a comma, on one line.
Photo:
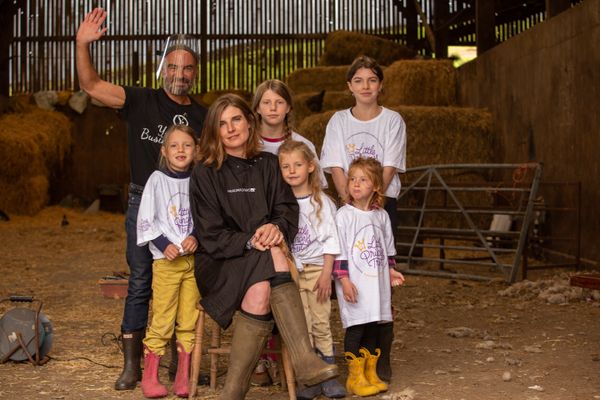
{"points": [[371, 369], [357, 383]]}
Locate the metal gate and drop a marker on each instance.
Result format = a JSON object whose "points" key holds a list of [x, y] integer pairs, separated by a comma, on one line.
{"points": [[474, 217]]}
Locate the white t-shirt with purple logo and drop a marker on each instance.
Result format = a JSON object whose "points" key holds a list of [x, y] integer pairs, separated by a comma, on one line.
{"points": [[164, 210], [383, 138], [315, 237], [366, 243]]}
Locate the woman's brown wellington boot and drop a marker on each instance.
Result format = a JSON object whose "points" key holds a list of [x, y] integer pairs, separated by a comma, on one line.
{"points": [[248, 341], [289, 314]]}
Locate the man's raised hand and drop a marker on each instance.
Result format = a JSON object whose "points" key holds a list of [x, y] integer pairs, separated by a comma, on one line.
{"points": [[89, 30]]}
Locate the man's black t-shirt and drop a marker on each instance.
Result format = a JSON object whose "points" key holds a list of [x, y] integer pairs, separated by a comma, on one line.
{"points": [[149, 112]]}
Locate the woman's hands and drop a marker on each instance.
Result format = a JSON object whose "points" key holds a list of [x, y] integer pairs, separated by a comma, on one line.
{"points": [[266, 237]]}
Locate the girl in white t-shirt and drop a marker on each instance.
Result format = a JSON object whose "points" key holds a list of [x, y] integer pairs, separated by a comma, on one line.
{"points": [[165, 223], [314, 249], [367, 130], [364, 274], [273, 104]]}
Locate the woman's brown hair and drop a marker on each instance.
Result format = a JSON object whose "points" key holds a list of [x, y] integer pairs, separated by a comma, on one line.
{"points": [[211, 150], [374, 171], [282, 90]]}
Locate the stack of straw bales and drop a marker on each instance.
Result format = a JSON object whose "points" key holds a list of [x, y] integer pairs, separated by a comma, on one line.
{"points": [[206, 99], [435, 135], [310, 80], [342, 47], [422, 91], [332, 100], [34, 145], [420, 83], [406, 82]]}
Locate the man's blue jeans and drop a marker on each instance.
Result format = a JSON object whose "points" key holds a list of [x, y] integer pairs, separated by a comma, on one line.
{"points": [[139, 259]]}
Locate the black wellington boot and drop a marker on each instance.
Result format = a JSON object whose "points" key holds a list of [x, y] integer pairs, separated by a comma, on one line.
{"points": [[385, 337], [132, 354]]}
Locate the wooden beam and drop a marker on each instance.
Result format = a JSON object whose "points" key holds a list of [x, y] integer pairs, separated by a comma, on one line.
{"points": [[440, 16], [428, 31], [412, 25], [555, 7], [203, 47], [7, 11], [485, 30]]}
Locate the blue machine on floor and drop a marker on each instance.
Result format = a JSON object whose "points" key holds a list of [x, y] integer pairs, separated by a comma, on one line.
{"points": [[25, 333]]}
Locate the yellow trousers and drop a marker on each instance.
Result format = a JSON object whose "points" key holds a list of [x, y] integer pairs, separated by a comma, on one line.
{"points": [[175, 298], [317, 314]]}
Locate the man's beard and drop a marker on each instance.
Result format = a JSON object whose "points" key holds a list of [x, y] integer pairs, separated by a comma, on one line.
{"points": [[171, 86]]}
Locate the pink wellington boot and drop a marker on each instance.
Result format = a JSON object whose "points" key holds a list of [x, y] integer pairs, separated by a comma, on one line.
{"points": [[182, 379], [151, 386]]}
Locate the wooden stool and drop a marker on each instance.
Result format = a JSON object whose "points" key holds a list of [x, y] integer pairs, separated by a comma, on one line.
{"points": [[215, 350]]}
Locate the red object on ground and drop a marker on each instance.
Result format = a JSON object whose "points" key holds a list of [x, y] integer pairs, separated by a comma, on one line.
{"points": [[586, 281], [113, 288]]}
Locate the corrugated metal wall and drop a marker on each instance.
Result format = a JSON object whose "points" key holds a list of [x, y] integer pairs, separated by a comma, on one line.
{"points": [[243, 41]]}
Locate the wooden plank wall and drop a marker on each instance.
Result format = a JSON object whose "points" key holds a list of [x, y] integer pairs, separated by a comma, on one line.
{"points": [[544, 106]]}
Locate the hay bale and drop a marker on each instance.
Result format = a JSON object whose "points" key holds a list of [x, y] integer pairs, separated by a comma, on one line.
{"points": [[63, 97], [420, 82], [313, 128], [342, 47], [332, 100], [20, 154], [34, 144], [313, 80], [436, 135], [26, 195], [338, 100], [49, 130], [447, 135], [21, 102], [206, 99], [301, 109]]}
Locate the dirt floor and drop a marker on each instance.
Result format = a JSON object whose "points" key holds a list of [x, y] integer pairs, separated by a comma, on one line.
{"points": [[454, 339]]}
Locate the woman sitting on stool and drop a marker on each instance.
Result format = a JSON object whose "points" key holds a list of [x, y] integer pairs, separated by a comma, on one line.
{"points": [[243, 210]]}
